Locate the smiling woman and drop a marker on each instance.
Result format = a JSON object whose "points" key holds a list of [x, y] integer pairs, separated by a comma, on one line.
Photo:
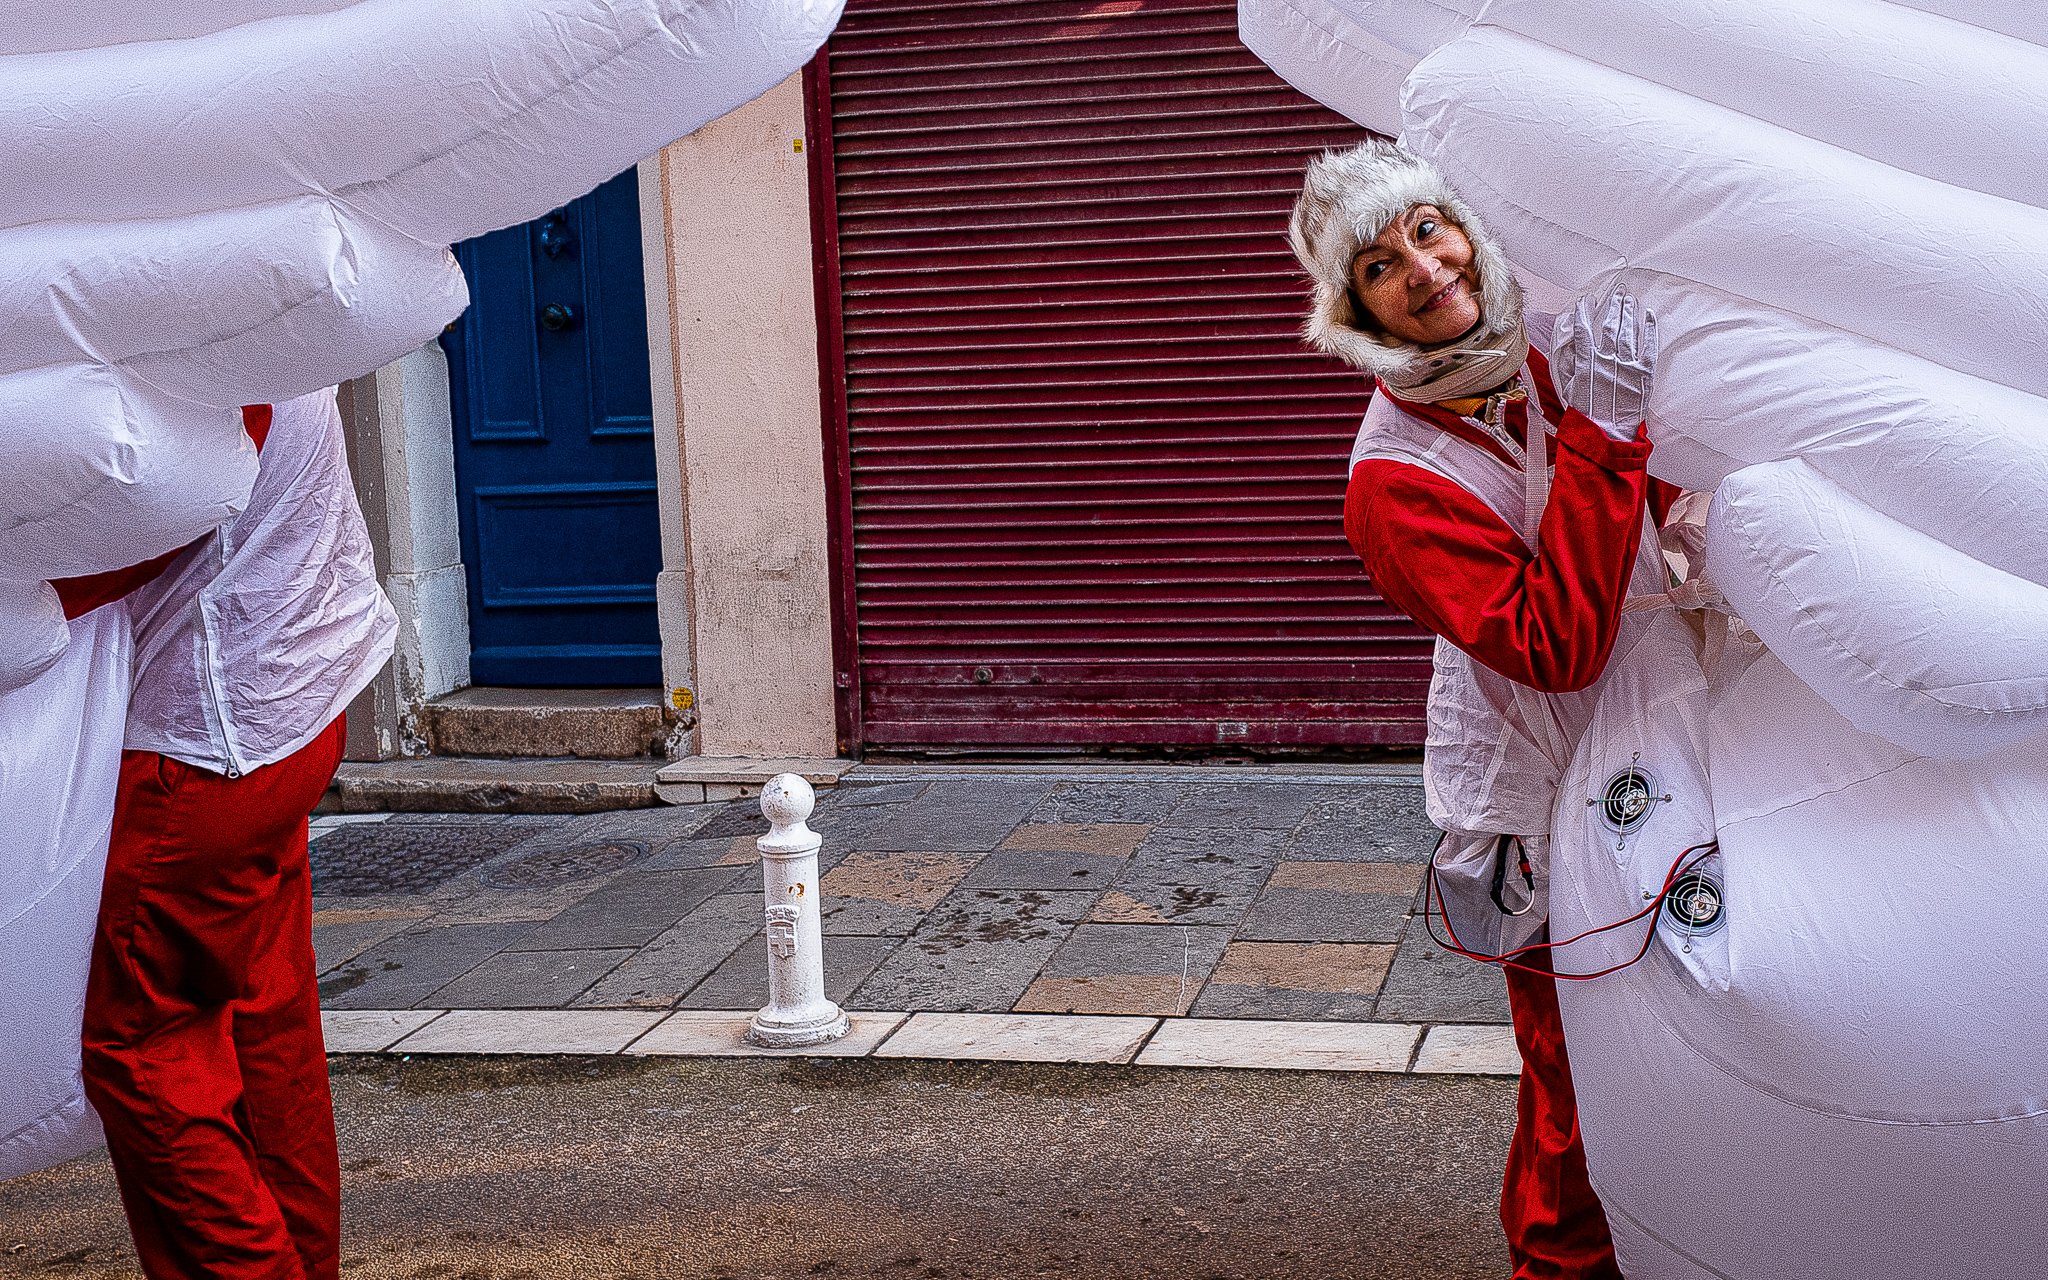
{"points": [[1520, 567], [1417, 280]]}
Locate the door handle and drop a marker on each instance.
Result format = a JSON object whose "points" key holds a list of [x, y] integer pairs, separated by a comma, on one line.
{"points": [[557, 316], [554, 234]]}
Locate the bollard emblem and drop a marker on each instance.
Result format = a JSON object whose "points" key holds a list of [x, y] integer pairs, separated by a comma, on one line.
{"points": [[782, 930]]}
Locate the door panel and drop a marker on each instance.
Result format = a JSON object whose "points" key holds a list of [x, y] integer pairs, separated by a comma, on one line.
{"points": [[554, 448]]}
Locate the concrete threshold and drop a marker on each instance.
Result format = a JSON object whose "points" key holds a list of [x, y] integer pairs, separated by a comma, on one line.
{"points": [[1401, 1048], [697, 779]]}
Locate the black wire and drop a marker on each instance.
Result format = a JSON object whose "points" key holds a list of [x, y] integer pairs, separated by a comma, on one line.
{"points": [[1432, 891]]}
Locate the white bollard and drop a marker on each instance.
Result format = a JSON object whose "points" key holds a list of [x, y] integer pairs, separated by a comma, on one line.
{"points": [[798, 1012]]}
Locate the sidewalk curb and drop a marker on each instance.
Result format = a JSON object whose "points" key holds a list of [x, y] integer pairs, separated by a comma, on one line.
{"points": [[1397, 1048]]}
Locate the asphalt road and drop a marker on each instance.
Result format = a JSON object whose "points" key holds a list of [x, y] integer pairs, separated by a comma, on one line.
{"points": [[645, 1169]]}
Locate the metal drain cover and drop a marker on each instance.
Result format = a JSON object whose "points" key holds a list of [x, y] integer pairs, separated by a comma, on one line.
{"points": [[551, 867]]}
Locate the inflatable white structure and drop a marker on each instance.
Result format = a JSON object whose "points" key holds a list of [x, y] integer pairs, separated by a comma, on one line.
{"points": [[1837, 1062], [210, 203]]}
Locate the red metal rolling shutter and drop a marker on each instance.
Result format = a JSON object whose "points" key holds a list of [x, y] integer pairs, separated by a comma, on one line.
{"points": [[1096, 482]]}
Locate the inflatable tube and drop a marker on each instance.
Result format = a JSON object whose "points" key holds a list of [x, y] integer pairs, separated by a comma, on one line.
{"points": [[98, 472], [1726, 1120], [44, 26], [1636, 175], [1322, 49], [442, 120], [33, 633], [225, 308], [1972, 117], [60, 764], [1948, 91], [2020, 19], [1903, 635], [1959, 458]]}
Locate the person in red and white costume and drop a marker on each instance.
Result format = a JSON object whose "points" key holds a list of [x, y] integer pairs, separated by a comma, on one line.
{"points": [[202, 1047], [1522, 572]]}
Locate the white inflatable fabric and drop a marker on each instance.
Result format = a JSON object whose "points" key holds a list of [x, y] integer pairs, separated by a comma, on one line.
{"points": [[1840, 1075], [210, 205], [1837, 212], [60, 761], [1962, 673]]}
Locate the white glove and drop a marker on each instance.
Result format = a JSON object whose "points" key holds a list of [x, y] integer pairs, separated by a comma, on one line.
{"points": [[1602, 367]]}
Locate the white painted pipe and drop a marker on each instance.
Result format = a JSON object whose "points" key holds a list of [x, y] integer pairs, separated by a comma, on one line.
{"points": [[798, 1013]]}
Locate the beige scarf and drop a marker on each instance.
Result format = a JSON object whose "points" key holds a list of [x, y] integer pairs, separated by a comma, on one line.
{"points": [[1479, 361]]}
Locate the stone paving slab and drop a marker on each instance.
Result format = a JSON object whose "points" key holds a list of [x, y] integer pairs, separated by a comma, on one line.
{"points": [[408, 968], [1296, 980], [966, 815], [1469, 1050], [1302, 1046], [722, 1033], [371, 1030], [668, 968], [530, 979], [529, 1031], [341, 935], [1366, 824], [741, 982], [1018, 1037], [1257, 895], [978, 950], [1126, 968], [1243, 806], [631, 911], [1080, 801], [1428, 984], [1029, 869], [1110, 839]]}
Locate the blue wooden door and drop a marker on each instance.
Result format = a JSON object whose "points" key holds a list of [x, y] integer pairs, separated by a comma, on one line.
{"points": [[554, 448]]}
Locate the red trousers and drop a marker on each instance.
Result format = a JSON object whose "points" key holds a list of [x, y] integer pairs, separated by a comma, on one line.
{"points": [[1554, 1223], [203, 1053]]}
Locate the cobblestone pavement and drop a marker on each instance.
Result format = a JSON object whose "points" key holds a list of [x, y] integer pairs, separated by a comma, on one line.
{"points": [[1221, 893]]}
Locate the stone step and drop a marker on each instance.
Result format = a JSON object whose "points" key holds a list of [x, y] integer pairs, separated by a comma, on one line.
{"points": [[445, 784], [584, 724]]}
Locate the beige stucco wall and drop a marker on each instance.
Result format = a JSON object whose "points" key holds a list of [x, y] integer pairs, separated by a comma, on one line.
{"points": [[749, 432]]}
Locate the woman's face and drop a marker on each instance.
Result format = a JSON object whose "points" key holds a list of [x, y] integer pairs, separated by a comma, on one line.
{"points": [[1417, 278]]}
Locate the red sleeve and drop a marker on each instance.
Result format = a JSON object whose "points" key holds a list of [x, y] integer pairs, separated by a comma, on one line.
{"points": [[256, 421], [1440, 554], [1662, 497], [84, 594]]}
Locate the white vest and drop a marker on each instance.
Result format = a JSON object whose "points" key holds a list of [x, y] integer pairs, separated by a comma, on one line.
{"points": [[1495, 749], [254, 640]]}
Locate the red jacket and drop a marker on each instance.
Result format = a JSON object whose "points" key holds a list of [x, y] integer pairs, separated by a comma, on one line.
{"points": [[1545, 619]]}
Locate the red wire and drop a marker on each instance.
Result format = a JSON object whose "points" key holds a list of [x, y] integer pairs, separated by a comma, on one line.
{"points": [[1679, 866]]}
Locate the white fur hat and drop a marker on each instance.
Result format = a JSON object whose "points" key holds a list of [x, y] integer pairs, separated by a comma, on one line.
{"points": [[1347, 199]]}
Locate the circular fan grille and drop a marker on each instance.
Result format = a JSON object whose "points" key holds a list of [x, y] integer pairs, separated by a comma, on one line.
{"points": [[1694, 903], [1628, 799]]}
